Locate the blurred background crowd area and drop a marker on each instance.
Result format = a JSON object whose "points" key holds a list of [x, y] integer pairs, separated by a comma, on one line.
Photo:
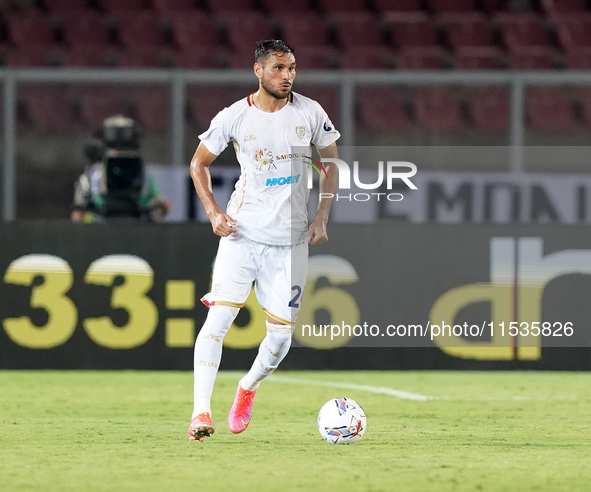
{"points": [[54, 120]]}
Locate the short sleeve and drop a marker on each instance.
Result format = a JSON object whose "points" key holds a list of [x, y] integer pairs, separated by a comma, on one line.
{"points": [[218, 134], [324, 132]]}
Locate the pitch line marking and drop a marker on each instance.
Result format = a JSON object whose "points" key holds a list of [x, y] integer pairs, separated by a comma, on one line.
{"points": [[381, 390]]}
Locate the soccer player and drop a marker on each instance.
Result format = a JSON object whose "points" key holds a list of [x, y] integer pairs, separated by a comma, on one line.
{"points": [[264, 231]]}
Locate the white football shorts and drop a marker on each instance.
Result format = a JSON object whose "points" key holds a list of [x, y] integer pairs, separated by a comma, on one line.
{"points": [[278, 272]]}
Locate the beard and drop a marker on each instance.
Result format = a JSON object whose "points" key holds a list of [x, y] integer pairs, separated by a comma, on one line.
{"points": [[271, 92]]}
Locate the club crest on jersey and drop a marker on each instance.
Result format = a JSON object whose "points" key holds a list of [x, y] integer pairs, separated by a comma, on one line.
{"points": [[300, 132], [264, 160]]}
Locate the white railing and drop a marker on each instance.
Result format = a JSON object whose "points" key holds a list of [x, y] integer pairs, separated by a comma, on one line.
{"points": [[345, 80]]}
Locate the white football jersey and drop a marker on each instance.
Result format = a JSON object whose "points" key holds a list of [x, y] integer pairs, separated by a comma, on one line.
{"points": [[269, 203]]}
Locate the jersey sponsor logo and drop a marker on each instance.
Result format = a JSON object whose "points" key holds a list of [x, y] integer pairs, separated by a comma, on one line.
{"points": [[264, 160], [283, 180], [300, 132], [328, 126]]}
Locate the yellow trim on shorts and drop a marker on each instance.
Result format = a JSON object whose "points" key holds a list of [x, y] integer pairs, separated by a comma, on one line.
{"points": [[221, 303], [284, 321]]}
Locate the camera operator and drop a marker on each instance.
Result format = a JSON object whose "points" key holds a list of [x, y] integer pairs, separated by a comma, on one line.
{"points": [[115, 184]]}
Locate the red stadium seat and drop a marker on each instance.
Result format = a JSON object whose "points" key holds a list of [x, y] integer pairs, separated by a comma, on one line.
{"points": [[413, 29], [574, 31], [152, 108], [477, 58], [326, 96], [30, 29], [586, 106], [468, 30], [342, 5], [304, 30], [519, 30], [564, 6], [97, 105], [380, 109], [316, 57], [283, 7], [58, 5], [532, 58], [140, 29], [240, 60], [397, 5], [437, 109], [441, 6], [190, 59], [88, 56], [244, 29], [357, 29], [579, 59], [549, 109], [489, 109], [173, 5], [194, 31], [362, 58], [34, 56], [142, 58], [421, 58], [84, 29], [122, 5], [218, 6], [493, 6], [50, 111], [205, 102]]}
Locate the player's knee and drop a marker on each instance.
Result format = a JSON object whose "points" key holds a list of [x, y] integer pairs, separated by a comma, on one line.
{"points": [[219, 320]]}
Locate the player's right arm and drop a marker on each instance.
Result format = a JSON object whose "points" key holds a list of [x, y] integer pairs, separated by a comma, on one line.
{"points": [[221, 223]]}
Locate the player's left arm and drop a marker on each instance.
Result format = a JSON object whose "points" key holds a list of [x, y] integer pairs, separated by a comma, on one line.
{"points": [[317, 231]]}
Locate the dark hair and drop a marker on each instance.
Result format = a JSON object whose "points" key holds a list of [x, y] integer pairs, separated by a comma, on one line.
{"points": [[267, 46]]}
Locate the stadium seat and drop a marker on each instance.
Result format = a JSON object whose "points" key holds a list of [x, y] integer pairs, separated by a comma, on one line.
{"points": [[149, 57], [410, 29], [152, 108], [327, 96], [380, 109], [488, 108], [30, 29], [84, 29], [578, 59], [173, 5], [240, 60], [139, 29], [60, 5], [122, 5], [494, 6], [526, 29], [574, 31], [97, 104], [205, 102], [362, 58], [34, 56], [304, 30], [191, 59], [477, 58], [421, 58], [397, 5], [437, 109], [552, 7], [586, 106], [244, 29], [342, 5], [441, 6], [50, 111], [283, 7], [467, 30], [532, 58], [194, 31], [549, 109], [357, 29], [88, 56], [218, 6], [316, 57]]}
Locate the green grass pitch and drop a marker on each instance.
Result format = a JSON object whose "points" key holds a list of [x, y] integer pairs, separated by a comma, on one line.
{"points": [[126, 431]]}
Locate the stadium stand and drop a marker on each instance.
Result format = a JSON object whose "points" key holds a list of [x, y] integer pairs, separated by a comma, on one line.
{"points": [[140, 29], [49, 110], [549, 109], [421, 58], [65, 5], [357, 29], [173, 5], [330, 6], [442, 6], [122, 6], [219, 6], [477, 58], [488, 108], [96, 104], [359, 58], [84, 29], [304, 30], [464, 30], [282, 7], [152, 108], [381, 110], [410, 29], [397, 5], [30, 29], [437, 109], [318, 57]]}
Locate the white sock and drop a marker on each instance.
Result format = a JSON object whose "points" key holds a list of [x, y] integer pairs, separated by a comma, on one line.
{"points": [[273, 349], [208, 354]]}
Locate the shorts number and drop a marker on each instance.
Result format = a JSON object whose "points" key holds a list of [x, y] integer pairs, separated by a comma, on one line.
{"points": [[293, 302]]}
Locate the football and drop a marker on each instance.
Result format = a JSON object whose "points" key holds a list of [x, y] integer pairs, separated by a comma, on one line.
{"points": [[341, 421]]}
